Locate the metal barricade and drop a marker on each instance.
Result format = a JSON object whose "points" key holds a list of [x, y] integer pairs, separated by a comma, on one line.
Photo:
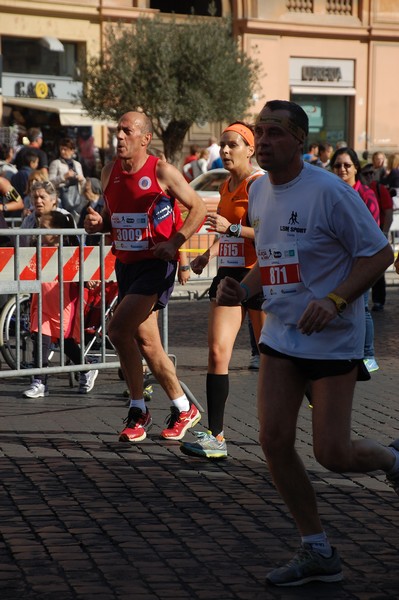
{"points": [[23, 270], [13, 222]]}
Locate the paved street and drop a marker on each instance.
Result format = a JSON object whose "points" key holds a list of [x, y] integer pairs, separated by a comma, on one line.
{"points": [[83, 517]]}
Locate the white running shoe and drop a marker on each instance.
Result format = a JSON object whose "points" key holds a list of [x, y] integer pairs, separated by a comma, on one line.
{"points": [[37, 389], [86, 381]]}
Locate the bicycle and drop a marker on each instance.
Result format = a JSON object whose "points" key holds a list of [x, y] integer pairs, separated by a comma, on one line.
{"points": [[8, 331], [93, 335]]}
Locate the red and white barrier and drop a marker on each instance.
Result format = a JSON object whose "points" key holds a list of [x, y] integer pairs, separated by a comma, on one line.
{"points": [[28, 268]]}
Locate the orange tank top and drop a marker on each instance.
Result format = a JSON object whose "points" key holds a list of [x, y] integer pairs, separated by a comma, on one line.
{"points": [[236, 252]]}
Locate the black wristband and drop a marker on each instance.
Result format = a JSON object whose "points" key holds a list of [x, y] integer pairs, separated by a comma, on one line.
{"points": [[246, 290]]}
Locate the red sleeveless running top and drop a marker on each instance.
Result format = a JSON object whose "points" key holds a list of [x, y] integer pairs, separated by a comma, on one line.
{"points": [[142, 214]]}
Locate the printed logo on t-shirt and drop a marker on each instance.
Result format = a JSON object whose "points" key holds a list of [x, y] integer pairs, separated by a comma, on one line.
{"points": [[144, 183], [293, 223]]}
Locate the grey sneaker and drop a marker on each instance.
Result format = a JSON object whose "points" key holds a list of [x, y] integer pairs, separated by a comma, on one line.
{"points": [[207, 446], [254, 362], [37, 389], [393, 478], [86, 381], [306, 566]]}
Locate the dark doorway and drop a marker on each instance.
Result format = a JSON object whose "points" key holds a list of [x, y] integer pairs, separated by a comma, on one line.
{"points": [[196, 7]]}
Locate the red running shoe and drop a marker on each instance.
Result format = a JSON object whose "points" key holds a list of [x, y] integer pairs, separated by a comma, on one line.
{"points": [[137, 425], [178, 422]]}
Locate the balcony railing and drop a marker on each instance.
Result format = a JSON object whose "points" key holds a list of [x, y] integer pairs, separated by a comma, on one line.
{"points": [[339, 7], [302, 6], [331, 7]]}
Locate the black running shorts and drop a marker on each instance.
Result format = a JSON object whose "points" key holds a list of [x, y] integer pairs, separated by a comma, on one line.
{"points": [[318, 369], [147, 277]]}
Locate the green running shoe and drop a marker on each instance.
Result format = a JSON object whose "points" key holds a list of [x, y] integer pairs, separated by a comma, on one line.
{"points": [[207, 446]]}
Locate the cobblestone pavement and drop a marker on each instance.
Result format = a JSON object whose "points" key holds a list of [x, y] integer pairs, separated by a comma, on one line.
{"points": [[84, 517]]}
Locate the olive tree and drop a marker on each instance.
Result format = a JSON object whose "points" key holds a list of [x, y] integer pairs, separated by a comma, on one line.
{"points": [[178, 73]]}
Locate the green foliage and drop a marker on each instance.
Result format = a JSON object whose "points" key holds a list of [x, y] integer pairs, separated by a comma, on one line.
{"points": [[179, 73]]}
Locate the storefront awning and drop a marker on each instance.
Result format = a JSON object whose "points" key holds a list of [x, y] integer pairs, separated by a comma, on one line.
{"points": [[319, 90], [52, 43], [69, 113]]}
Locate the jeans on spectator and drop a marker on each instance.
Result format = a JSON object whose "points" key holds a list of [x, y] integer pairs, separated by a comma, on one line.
{"points": [[378, 291], [369, 338]]}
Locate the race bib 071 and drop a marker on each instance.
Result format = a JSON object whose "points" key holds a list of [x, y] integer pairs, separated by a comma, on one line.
{"points": [[279, 268]]}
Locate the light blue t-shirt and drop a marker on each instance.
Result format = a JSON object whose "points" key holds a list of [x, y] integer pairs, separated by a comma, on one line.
{"points": [[308, 234]]}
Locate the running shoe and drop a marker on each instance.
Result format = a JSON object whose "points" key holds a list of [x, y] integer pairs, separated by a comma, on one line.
{"points": [[254, 362], [37, 389], [393, 478], [207, 446], [377, 307], [179, 421], [137, 425], [86, 381], [147, 392], [307, 565], [371, 364]]}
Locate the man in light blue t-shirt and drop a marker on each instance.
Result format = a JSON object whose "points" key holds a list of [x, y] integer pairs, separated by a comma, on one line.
{"points": [[318, 250]]}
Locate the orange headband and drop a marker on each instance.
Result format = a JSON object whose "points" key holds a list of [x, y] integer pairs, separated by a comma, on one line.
{"points": [[244, 132]]}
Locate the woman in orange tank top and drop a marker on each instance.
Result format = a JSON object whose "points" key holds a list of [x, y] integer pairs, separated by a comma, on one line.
{"points": [[235, 250]]}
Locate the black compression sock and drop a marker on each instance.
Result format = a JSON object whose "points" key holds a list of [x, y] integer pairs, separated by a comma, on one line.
{"points": [[217, 390]]}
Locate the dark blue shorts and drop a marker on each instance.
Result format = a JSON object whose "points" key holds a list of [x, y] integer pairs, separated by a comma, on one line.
{"points": [[318, 369], [237, 273], [147, 277]]}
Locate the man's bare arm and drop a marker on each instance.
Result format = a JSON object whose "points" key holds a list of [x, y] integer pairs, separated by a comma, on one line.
{"points": [[173, 182]]}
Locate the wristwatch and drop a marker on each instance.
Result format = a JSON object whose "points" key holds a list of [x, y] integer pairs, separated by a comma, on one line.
{"points": [[184, 267], [234, 230], [340, 303]]}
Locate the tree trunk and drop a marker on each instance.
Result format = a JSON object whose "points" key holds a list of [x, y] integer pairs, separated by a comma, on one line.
{"points": [[173, 138]]}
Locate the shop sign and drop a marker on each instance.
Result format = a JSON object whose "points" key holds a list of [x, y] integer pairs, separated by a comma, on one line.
{"points": [[321, 74], [40, 89], [322, 71]]}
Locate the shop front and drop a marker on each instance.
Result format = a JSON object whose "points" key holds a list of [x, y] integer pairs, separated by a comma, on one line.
{"points": [[43, 92], [325, 90]]}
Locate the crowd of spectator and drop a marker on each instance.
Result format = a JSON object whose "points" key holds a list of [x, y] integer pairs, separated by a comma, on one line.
{"points": [[200, 160], [20, 168]]}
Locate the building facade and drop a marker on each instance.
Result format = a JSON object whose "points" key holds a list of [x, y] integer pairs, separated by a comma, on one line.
{"points": [[334, 57], [337, 58]]}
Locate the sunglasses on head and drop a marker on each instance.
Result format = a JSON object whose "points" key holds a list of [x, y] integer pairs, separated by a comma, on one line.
{"points": [[45, 185]]}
